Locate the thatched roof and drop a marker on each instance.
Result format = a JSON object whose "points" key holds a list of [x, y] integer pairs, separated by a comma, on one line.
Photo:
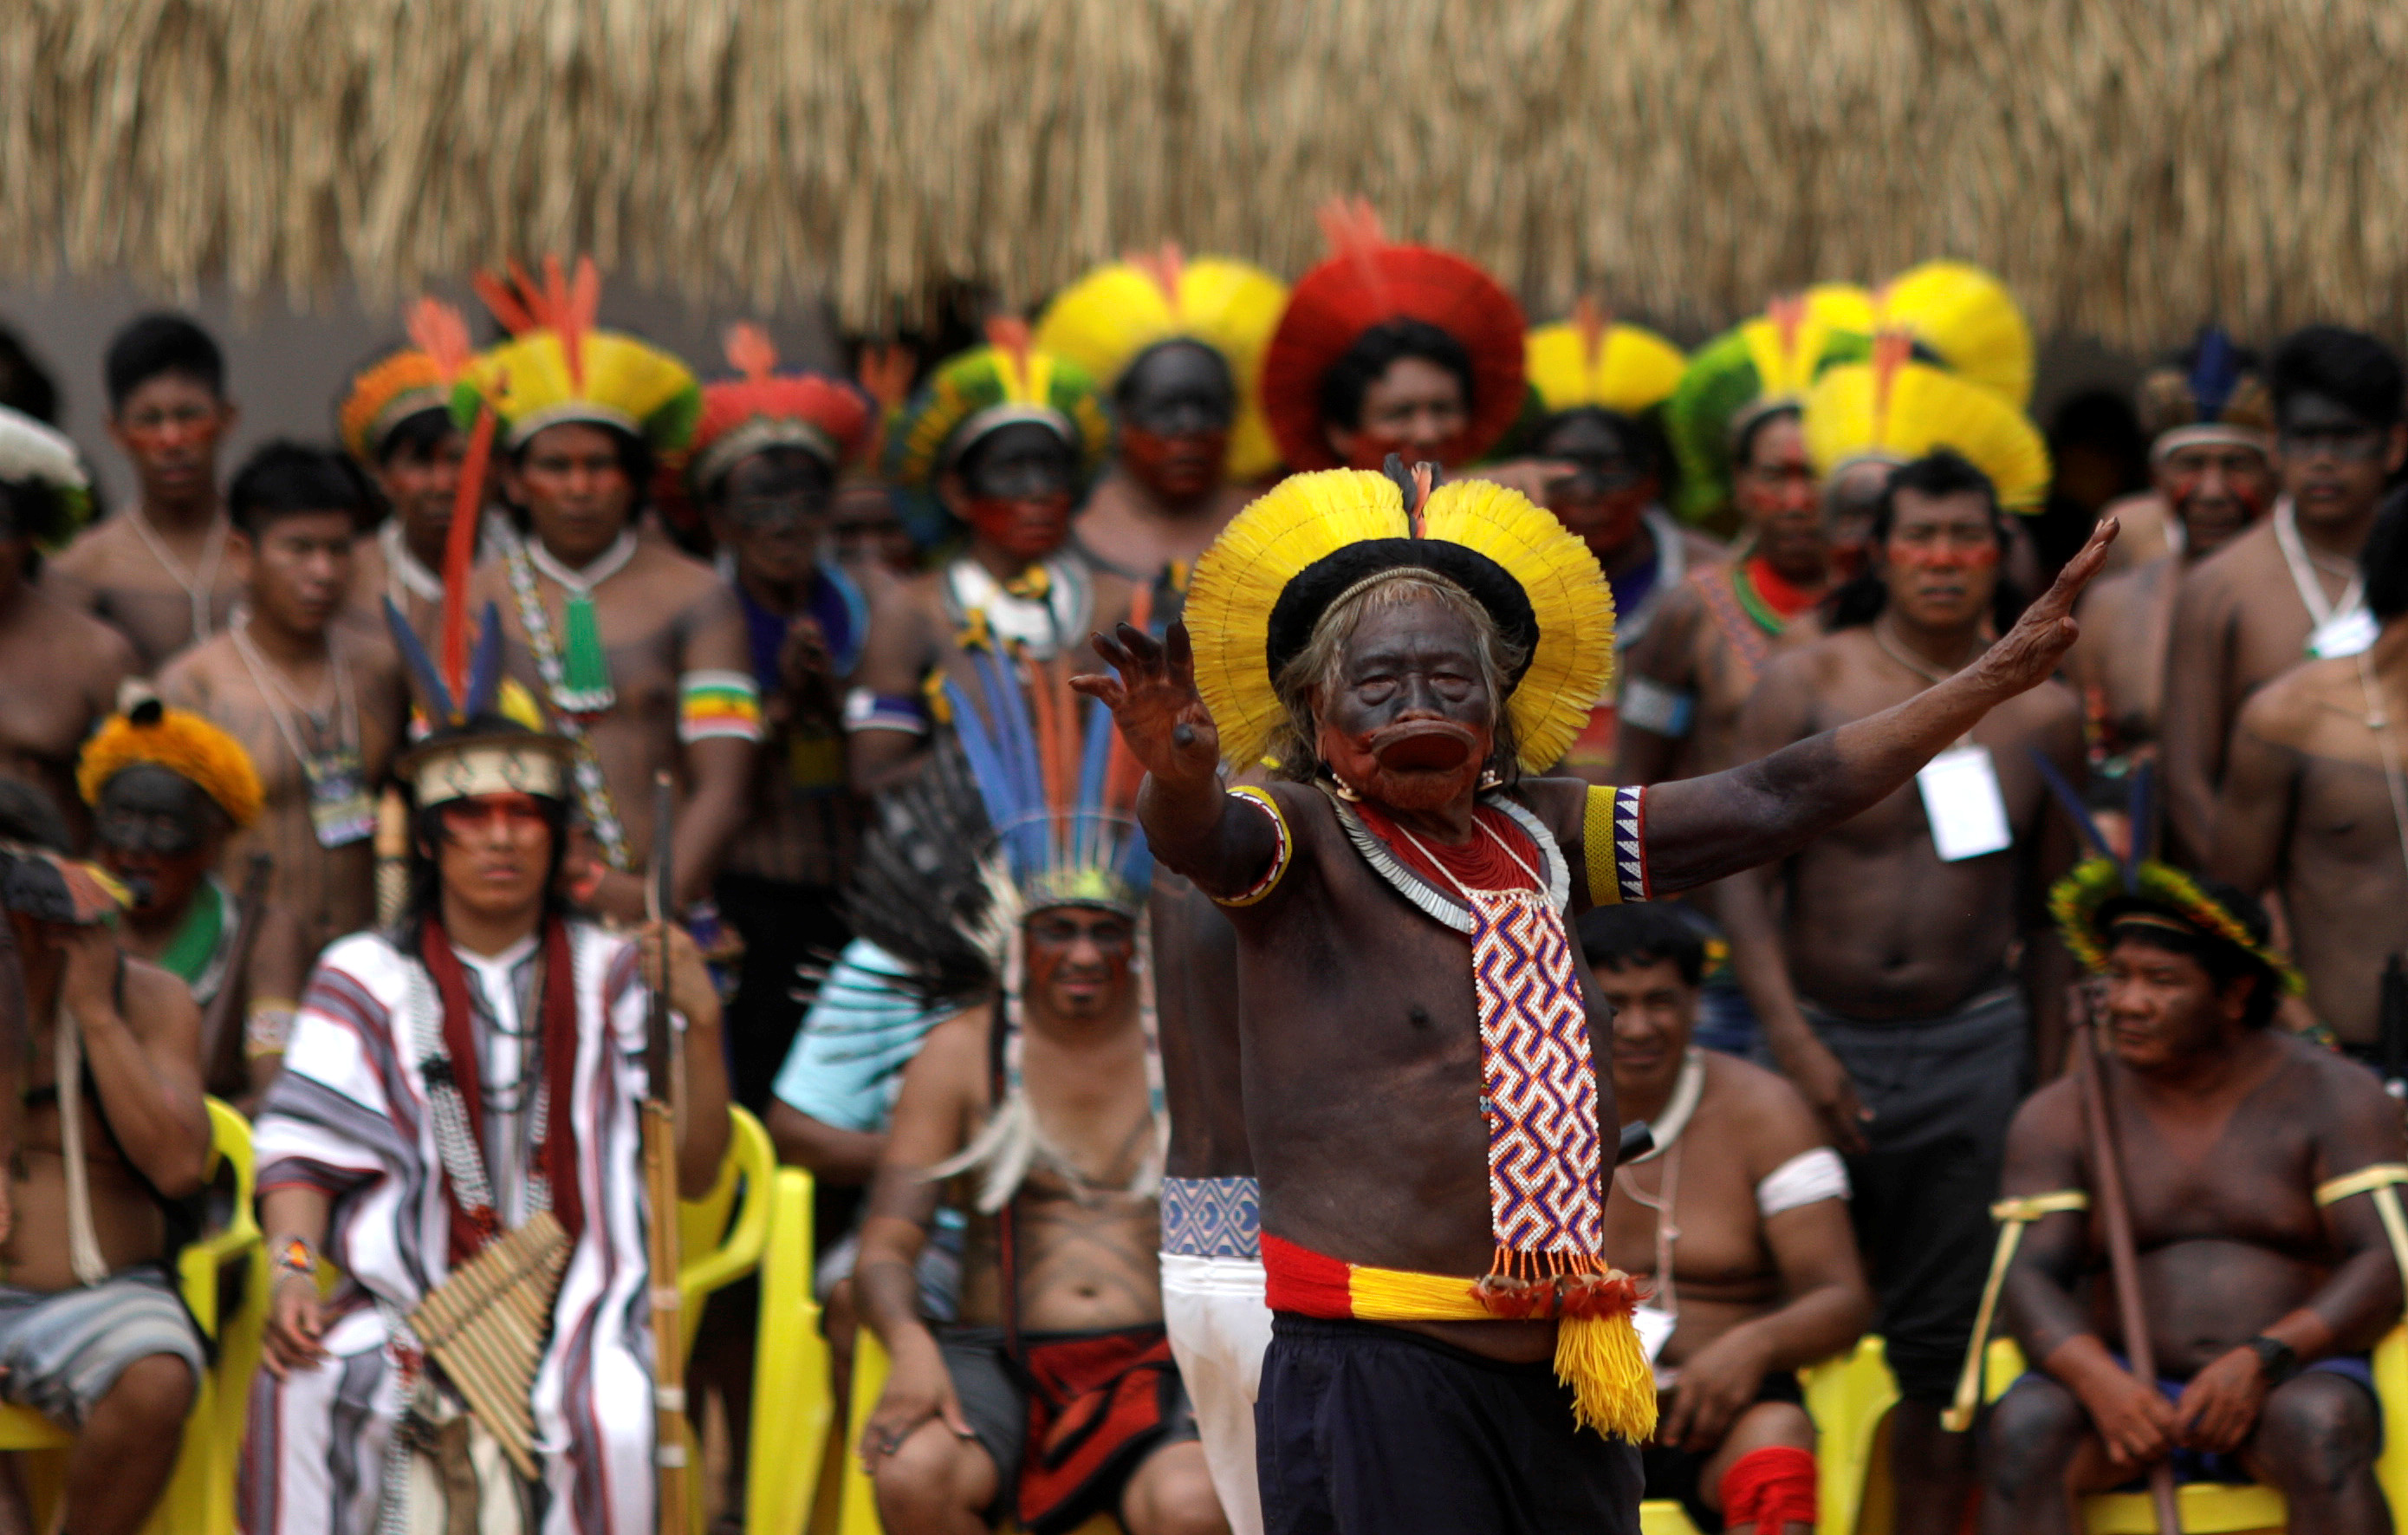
{"points": [[2132, 166]]}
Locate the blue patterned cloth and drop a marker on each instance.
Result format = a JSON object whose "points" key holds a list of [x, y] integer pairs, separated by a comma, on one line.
{"points": [[1212, 1217]]}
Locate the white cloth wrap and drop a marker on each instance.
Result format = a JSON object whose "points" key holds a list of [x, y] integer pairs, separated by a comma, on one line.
{"points": [[1805, 1178]]}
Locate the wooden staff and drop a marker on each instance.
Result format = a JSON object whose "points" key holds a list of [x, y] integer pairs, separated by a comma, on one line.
{"points": [[2123, 1258], [221, 1017], [659, 1119]]}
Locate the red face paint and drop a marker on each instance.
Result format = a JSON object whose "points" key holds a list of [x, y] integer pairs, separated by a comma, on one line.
{"points": [[1943, 556], [1024, 528], [1180, 468]]}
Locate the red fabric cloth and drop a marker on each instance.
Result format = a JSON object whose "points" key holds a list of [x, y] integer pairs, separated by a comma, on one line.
{"points": [[1480, 864], [1094, 1400], [558, 1007], [1303, 1283], [1778, 594], [1769, 1488]]}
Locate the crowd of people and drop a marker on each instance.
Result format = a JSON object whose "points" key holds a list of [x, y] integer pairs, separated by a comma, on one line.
{"points": [[1369, 917]]}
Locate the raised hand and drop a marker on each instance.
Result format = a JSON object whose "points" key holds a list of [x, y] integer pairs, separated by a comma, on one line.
{"points": [[2029, 653], [1155, 702]]}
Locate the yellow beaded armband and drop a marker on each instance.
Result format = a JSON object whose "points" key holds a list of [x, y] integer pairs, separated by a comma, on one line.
{"points": [[2012, 1216], [1279, 854]]}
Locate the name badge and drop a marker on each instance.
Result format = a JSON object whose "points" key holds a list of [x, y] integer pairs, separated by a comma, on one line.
{"points": [[1962, 802], [339, 806], [2344, 634]]}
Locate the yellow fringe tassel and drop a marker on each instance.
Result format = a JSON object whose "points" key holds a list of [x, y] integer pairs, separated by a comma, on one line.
{"points": [[1600, 1357], [1614, 1390]]}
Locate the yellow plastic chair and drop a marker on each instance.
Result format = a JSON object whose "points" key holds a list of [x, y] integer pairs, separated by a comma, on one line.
{"points": [[793, 1403], [722, 1238], [2211, 1508], [858, 1507], [1847, 1396], [199, 1497]]}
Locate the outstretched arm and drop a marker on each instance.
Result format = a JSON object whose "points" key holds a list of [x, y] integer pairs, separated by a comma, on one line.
{"points": [[1190, 823], [1702, 829]]}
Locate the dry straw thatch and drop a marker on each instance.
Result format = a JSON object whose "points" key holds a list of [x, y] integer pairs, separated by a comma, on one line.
{"points": [[2132, 166]]}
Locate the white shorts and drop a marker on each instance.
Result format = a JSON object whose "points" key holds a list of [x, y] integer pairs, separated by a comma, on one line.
{"points": [[1219, 1327]]}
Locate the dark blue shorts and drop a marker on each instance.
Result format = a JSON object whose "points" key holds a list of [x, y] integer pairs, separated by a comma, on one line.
{"points": [[1364, 1430]]}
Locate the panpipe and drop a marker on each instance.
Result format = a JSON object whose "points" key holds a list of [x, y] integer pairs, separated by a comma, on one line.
{"points": [[487, 1326]]}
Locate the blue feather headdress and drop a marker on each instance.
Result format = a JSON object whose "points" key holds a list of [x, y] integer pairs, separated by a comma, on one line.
{"points": [[1058, 784]]}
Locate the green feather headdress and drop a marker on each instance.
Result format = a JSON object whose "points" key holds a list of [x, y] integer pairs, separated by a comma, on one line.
{"points": [[2086, 903]]}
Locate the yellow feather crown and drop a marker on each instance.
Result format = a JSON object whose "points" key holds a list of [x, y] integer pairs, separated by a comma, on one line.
{"points": [[183, 744], [1112, 315], [1309, 517], [1623, 368], [1966, 318], [1896, 411], [618, 381]]}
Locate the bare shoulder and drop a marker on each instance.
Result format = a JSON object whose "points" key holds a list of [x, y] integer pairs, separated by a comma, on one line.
{"points": [[96, 646], [193, 677], [2109, 596], [952, 1058], [1813, 662], [2237, 569], [674, 579], [157, 1001], [1702, 550], [88, 556], [2350, 1093], [2287, 711], [1766, 1115], [2049, 1120], [1562, 803]]}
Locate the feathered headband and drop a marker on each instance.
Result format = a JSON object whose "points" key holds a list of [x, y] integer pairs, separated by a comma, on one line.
{"points": [[460, 688], [1115, 314], [558, 367], [2217, 399], [385, 394], [1058, 783], [1590, 362], [1367, 281], [185, 744], [1006, 381], [762, 409], [1963, 319], [1281, 563], [2112, 887], [31, 452], [1894, 411], [1764, 365]]}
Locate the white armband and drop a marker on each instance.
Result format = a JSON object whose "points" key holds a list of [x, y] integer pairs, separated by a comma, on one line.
{"points": [[1804, 1179]]}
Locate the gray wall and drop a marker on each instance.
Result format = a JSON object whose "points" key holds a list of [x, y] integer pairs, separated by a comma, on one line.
{"points": [[287, 367]]}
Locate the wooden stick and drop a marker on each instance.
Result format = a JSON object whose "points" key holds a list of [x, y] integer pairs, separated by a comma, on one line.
{"points": [[223, 1018], [2123, 1258]]}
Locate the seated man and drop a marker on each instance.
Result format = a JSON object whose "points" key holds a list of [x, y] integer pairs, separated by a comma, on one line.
{"points": [[1055, 1397], [167, 789], [112, 1140], [471, 1072], [1741, 1211], [2265, 1276]]}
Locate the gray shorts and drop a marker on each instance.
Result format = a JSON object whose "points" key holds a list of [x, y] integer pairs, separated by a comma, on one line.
{"points": [[63, 1351]]}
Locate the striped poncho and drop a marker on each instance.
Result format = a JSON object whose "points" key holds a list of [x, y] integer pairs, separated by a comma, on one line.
{"points": [[349, 1117]]}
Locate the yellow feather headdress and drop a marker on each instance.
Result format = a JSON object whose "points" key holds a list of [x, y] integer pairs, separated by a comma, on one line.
{"points": [[1894, 410], [1590, 362], [557, 367], [1966, 318], [1116, 313], [183, 744], [1310, 518]]}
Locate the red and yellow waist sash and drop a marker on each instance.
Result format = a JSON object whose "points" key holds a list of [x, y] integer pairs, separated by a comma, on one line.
{"points": [[1598, 1352]]}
